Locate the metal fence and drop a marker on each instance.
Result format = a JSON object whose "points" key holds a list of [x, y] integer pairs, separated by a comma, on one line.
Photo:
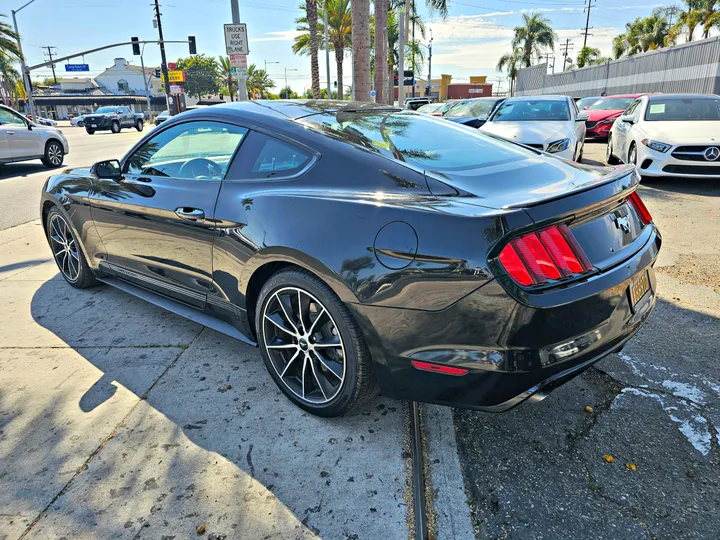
{"points": [[688, 68]]}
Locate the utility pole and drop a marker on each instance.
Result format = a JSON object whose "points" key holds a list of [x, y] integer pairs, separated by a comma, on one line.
{"points": [[242, 82], [413, 52], [430, 67], [587, 22], [23, 66], [172, 107], [565, 49], [547, 61], [49, 49], [327, 51]]}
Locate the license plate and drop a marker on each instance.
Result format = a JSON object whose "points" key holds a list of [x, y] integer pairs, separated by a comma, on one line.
{"points": [[639, 288], [93, 125]]}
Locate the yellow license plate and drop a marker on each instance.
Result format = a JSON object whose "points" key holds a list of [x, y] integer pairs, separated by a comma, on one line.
{"points": [[639, 288]]}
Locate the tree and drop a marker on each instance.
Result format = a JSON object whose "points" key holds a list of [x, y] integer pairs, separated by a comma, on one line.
{"points": [[312, 20], [227, 75], [339, 31], [589, 56], [534, 33], [643, 34], [361, 48], [202, 75], [510, 62], [11, 87], [258, 78], [288, 93], [8, 40], [380, 8]]}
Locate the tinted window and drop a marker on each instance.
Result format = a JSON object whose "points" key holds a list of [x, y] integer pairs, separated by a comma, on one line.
{"points": [[683, 109], [428, 143], [472, 108], [611, 104], [194, 150], [267, 157], [8, 117], [105, 110], [532, 111], [586, 102]]}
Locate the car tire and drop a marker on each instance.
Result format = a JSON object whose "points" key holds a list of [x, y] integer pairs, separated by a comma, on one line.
{"points": [[139, 125], [330, 357], [609, 156], [632, 155], [66, 251], [81, 123], [54, 154], [115, 127], [89, 131]]}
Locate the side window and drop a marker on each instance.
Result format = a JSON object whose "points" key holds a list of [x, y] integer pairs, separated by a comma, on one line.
{"points": [[268, 157], [199, 150], [632, 108], [8, 117]]}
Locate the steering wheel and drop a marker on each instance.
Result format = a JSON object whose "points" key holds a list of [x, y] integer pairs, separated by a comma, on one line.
{"points": [[200, 168]]}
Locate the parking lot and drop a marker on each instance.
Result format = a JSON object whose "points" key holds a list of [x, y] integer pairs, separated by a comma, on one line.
{"points": [[118, 419]]}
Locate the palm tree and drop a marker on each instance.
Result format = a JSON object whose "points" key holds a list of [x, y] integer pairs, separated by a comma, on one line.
{"points": [[258, 78], [227, 75], [8, 40], [532, 35], [339, 30], [361, 48], [312, 19], [689, 20], [588, 56], [380, 48], [510, 62], [9, 80]]}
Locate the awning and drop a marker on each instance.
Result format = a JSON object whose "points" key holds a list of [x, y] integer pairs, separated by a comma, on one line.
{"points": [[97, 100]]}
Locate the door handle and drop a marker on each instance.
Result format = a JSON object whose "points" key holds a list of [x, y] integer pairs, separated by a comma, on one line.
{"points": [[190, 214], [10, 132]]}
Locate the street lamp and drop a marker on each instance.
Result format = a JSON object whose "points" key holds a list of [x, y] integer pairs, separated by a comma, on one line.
{"points": [[23, 67], [266, 72], [286, 85]]}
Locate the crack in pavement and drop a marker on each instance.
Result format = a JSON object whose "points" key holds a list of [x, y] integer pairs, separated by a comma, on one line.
{"points": [[107, 439]]}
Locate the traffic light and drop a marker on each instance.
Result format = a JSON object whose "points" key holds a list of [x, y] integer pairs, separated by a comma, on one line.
{"points": [[427, 90], [335, 84], [135, 46], [193, 46]]}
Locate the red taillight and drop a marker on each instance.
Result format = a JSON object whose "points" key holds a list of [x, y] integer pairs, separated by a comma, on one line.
{"points": [[640, 207], [438, 368], [537, 257]]}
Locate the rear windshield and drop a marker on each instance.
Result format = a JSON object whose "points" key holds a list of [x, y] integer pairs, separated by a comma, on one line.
{"points": [[472, 108], [428, 143], [544, 110], [611, 104], [678, 110]]}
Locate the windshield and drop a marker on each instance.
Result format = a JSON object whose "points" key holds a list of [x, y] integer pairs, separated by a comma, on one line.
{"points": [[586, 102], [428, 143], [473, 107], [430, 107], [105, 110], [164, 113], [544, 110], [447, 106], [678, 110], [612, 104]]}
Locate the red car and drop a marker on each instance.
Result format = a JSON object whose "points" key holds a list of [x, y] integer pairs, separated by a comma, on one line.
{"points": [[604, 112]]}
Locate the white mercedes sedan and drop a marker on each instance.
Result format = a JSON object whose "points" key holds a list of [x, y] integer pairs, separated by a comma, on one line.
{"points": [[669, 135], [552, 124]]}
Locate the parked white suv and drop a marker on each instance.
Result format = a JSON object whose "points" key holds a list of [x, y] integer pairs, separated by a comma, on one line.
{"points": [[22, 139]]}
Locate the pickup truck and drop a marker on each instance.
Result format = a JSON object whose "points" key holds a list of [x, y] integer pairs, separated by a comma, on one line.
{"points": [[113, 119]]}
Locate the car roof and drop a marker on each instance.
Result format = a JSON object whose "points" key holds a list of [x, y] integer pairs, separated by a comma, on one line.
{"points": [[295, 108], [656, 97], [538, 98], [623, 96]]}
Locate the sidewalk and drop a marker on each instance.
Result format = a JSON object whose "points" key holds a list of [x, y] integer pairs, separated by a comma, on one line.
{"points": [[119, 419]]}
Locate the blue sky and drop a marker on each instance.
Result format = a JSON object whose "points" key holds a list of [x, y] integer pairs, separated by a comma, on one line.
{"points": [[468, 42]]}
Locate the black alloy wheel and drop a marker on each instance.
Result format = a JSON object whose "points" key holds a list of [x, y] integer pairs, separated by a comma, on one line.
{"points": [[54, 154], [311, 345], [66, 252]]}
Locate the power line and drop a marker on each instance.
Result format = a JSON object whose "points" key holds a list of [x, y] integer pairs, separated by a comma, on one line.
{"points": [[590, 4], [565, 50], [49, 49]]}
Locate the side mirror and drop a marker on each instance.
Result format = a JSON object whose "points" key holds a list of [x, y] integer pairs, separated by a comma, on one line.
{"points": [[628, 120], [582, 117], [106, 169]]}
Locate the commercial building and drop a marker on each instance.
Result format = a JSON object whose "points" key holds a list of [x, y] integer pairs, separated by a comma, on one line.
{"points": [[443, 88]]}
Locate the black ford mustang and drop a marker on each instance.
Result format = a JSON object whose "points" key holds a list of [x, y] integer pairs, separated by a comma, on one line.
{"points": [[362, 246]]}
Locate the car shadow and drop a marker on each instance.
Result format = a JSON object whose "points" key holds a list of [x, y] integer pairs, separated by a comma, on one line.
{"points": [[19, 170], [706, 187], [213, 412]]}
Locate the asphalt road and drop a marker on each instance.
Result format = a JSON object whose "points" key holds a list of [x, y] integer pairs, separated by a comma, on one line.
{"points": [[20, 183]]}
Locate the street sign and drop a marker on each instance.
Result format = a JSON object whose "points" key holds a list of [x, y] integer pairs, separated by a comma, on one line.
{"points": [[176, 89], [373, 93], [239, 72], [238, 60], [77, 67], [236, 39], [175, 76]]}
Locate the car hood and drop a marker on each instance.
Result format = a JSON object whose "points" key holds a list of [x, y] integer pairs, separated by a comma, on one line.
{"points": [[596, 116], [525, 179], [462, 119], [679, 132], [529, 132]]}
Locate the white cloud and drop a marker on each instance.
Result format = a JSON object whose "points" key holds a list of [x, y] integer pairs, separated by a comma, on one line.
{"points": [[285, 35]]}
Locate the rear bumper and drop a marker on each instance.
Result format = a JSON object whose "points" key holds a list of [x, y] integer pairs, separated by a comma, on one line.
{"points": [[512, 350]]}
